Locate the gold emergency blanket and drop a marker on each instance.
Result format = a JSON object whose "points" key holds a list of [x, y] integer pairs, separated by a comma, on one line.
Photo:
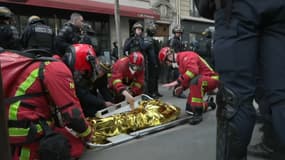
{"points": [[149, 113]]}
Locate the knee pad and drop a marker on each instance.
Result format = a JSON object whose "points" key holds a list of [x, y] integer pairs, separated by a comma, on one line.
{"points": [[228, 103]]}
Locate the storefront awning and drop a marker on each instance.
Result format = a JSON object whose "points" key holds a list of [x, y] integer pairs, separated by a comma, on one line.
{"points": [[89, 6]]}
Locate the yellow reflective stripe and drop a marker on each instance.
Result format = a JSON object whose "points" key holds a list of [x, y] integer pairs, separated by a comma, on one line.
{"points": [[137, 85], [25, 153], [215, 77], [117, 81], [109, 75], [204, 83], [23, 87], [16, 132], [86, 132], [190, 74], [71, 85], [203, 60], [197, 100]]}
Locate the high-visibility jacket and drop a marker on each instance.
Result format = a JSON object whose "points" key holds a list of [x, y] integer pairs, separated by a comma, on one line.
{"points": [[191, 65], [122, 77], [21, 79]]}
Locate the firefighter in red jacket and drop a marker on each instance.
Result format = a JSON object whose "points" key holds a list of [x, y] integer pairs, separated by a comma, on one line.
{"points": [[33, 88], [196, 74], [127, 77]]}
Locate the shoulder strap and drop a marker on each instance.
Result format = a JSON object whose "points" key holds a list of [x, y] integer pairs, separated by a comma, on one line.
{"points": [[38, 54], [11, 100], [26, 96], [41, 76], [14, 99], [54, 109]]}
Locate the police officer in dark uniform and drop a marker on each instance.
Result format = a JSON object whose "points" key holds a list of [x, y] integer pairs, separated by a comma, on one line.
{"points": [[115, 54], [37, 35], [175, 42], [9, 36], [151, 52], [136, 42], [247, 31], [87, 33], [205, 47], [69, 34]]}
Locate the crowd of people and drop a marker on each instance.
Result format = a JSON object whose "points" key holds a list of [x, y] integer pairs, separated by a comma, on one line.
{"points": [[52, 82]]}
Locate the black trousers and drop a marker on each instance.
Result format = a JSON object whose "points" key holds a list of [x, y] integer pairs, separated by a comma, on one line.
{"points": [[256, 29]]}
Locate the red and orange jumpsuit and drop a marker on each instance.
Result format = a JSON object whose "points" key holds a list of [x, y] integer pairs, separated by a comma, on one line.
{"points": [[122, 77], [21, 77], [196, 73]]}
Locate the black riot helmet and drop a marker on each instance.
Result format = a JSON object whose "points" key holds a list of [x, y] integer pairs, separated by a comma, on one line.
{"points": [[177, 29], [207, 33], [34, 19], [5, 13], [137, 25], [104, 64], [151, 29]]}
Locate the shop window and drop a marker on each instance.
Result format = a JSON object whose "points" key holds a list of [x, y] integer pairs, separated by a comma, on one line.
{"points": [[54, 23], [23, 21]]}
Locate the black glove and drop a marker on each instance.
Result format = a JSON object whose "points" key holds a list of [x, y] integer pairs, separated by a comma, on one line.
{"points": [[178, 90]]}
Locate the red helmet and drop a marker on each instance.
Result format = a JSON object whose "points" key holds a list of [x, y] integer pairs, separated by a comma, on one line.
{"points": [[81, 58], [163, 53], [136, 61]]}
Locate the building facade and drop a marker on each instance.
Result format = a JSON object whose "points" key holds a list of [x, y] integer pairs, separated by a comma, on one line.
{"points": [[100, 14], [193, 24]]}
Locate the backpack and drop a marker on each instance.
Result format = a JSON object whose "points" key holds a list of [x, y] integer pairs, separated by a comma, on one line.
{"points": [[28, 57], [53, 145]]}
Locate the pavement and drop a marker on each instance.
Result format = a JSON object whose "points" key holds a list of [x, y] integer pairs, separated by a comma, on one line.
{"points": [[184, 142]]}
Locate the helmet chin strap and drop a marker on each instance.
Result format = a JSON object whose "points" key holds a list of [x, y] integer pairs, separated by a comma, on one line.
{"points": [[131, 70]]}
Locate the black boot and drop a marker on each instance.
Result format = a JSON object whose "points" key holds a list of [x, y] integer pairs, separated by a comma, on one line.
{"points": [[154, 96], [188, 109], [259, 150], [158, 94], [211, 106], [197, 117], [279, 152]]}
